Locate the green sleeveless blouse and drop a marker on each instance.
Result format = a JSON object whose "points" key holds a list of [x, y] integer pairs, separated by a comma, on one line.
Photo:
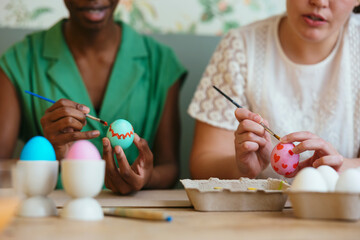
{"points": [[143, 72]]}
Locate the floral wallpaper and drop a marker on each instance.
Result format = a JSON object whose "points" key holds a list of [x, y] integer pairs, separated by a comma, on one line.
{"points": [[202, 17]]}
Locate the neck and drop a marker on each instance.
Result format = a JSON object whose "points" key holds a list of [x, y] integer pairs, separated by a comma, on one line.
{"points": [[83, 40], [302, 51]]}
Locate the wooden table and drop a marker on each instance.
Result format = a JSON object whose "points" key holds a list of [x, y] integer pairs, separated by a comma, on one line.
{"points": [[187, 223]]}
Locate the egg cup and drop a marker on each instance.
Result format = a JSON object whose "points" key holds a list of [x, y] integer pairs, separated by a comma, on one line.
{"points": [[82, 180], [36, 179]]}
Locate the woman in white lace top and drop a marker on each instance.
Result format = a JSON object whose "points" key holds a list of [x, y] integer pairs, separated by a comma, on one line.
{"points": [[301, 73]]}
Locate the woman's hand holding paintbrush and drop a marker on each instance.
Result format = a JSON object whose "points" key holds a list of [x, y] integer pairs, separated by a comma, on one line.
{"points": [[253, 144], [80, 106], [252, 141], [62, 124], [238, 106]]}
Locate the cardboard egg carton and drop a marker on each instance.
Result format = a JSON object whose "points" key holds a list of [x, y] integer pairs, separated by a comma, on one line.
{"points": [[325, 205], [243, 194]]}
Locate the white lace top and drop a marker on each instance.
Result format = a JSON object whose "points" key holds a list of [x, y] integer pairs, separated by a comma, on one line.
{"points": [[250, 66]]}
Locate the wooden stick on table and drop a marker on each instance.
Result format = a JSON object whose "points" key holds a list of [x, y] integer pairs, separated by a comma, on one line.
{"points": [[137, 213]]}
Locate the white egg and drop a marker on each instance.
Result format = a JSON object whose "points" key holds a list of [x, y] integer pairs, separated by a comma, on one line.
{"points": [[309, 180], [329, 175], [349, 181]]}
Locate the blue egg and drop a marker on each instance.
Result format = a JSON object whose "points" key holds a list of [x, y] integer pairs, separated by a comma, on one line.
{"points": [[38, 148]]}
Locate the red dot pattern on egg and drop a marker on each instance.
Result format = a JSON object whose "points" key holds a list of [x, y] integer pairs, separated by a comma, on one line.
{"points": [[283, 160]]}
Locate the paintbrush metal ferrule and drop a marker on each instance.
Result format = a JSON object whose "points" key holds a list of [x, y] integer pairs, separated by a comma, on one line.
{"points": [[237, 105], [96, 119], [269, 131]]}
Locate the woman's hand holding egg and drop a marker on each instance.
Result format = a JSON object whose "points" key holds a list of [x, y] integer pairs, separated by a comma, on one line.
{"points": [[324, 152], [125, 178]]}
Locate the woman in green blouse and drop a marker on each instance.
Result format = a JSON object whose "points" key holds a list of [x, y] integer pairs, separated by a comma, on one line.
{"points": [[91, 64]]}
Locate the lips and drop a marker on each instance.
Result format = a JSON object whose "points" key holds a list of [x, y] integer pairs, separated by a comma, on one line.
{"points": [[314, 17], [94, 14], [314, 20]]}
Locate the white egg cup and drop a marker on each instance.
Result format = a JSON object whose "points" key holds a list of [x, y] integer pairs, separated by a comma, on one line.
{"points": [[36, 179], [82, 180]]}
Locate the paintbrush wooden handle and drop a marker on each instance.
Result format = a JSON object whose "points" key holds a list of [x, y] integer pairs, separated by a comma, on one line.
{"points": [[137, 213]]}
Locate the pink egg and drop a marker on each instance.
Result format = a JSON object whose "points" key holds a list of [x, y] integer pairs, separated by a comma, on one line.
{"points": [[83, 150], [283, 160]]}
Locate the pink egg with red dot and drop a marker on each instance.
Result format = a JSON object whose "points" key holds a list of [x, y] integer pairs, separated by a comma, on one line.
{"points": [[283, 160]]}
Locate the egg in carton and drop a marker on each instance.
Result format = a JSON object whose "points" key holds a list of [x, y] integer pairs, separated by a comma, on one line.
{"points": [[324, 194]]}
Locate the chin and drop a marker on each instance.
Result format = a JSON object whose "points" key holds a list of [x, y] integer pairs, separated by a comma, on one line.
{"points": [[85, 24], [313, 36], [95, 26]]}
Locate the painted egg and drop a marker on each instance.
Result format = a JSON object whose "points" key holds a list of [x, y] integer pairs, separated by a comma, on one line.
{"points": [[121, 133], [283, 160], [38, 148], [83, 150]]}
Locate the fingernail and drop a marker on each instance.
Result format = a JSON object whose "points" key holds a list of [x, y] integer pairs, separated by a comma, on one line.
{"points": [[95, 133], [83, 108], [294, 150], [117, 149], [136, 137], [105, 143], [258, 118], [68, 130]]}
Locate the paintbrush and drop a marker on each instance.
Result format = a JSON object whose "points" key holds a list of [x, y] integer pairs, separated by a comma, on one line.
{"points": [[137, 213], [237, 105], [52, 101]]}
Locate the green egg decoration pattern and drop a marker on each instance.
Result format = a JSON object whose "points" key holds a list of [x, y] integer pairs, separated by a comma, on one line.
{"points": [[121, 133], [38, 149]]}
